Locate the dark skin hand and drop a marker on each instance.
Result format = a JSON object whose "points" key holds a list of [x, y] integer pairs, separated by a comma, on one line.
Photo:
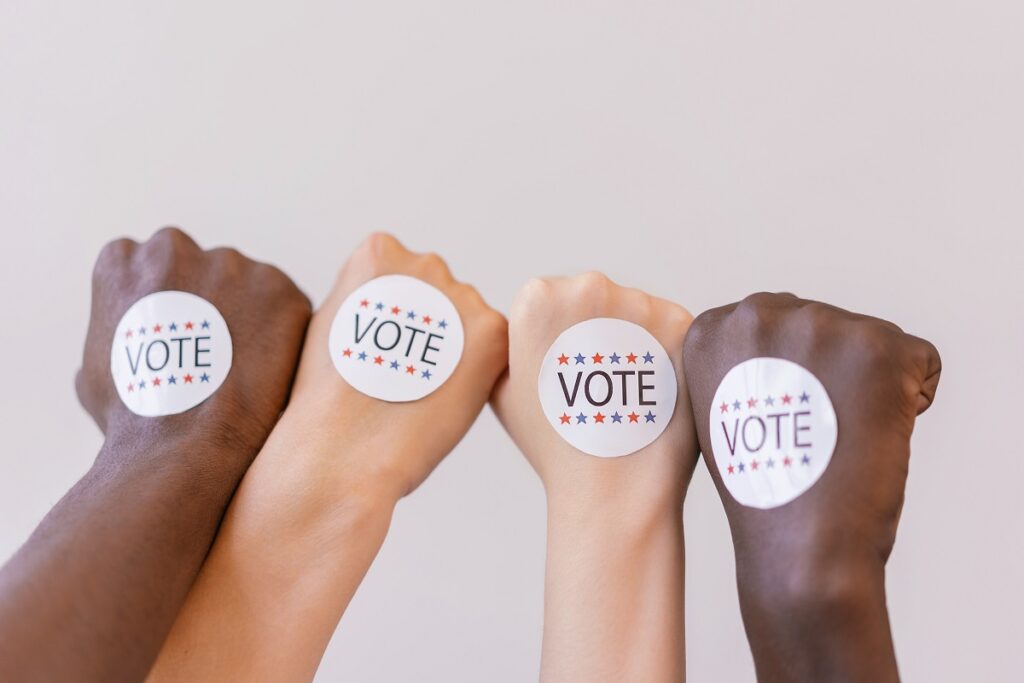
{"points": [[94, 591], [811, 573]]}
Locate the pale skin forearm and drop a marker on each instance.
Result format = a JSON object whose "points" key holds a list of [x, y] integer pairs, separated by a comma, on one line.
{"points": [[295, 544], [614, 584]]}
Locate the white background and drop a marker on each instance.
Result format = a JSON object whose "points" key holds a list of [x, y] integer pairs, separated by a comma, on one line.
{"points": [[868, 154]]}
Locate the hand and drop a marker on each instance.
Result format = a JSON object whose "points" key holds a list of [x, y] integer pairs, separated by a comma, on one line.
{"points": [[397, 444], [266, 315], [817, 562], [615, 563], [655, 475]]}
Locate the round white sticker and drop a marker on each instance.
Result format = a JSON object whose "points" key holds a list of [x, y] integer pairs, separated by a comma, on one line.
{"points": [[773, 430], [607, 387], [170, 352], [396, 338]]}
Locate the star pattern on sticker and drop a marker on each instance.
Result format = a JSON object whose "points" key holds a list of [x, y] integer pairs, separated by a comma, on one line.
{"points": [[597, 358], [756, 465], [581, 419], [563, 359], [649, 417], [580, 359], [631, 358], [648, 358], [616, 418], [599, 418], [563, 417]]}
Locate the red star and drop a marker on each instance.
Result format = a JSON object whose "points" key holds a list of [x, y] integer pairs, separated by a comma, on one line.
{"points": [[364, 303], [188, 325], [751, 402], [188, 379], [786, 398], [564, 418], [378, 360], [157, 327], [787, 461], [724, 407], [753, 464], [427, 319], [347, 353], [395, 310], [156, 381], [731, 469], [131, 388], [633, 417], [410, 370], [599, 418], [563, 359], [631, 358], [597, 358], [128, 334]]}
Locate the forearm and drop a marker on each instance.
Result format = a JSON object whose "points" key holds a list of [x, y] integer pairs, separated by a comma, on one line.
{"points": [[822, 620], [613, 605], [295, 544], [93, 592]]}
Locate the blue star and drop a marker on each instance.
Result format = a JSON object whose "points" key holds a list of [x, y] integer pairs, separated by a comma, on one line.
{"points": [[616, 417], [142, 330], [736, 405], [204, 378], [581, 419], [804, 398], [394, 365], [379, 306], [614, 357], [411, 315], [769, 401], [770, 463], [805, 460], [742, 467], [205, 325], [173, 327], [442, 324], [425, 374], [649, 416], [142, 384], [172, 380], [362, 355], [648, 358], [580, 359]]}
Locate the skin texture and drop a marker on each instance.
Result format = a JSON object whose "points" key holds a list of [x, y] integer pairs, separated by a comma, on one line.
{"points": [[613, 602], [93, 592], [811, 573], [313, 510]]}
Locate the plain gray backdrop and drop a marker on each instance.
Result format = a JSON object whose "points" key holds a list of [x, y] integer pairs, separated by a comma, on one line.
{"points": [[867, 154]]}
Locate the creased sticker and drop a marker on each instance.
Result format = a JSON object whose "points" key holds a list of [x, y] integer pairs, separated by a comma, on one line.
{"points": [[396, 338], [607, 387], [170, 352], [773, 431]]}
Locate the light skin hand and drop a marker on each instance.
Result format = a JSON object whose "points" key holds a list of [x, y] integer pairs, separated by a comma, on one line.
{"points": [[811, 573], [92, 594], [313, 510], [615, 566]]}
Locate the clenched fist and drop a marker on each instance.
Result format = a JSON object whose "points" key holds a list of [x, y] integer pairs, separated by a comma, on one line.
{"points": [[265, 313], [810, 553]]}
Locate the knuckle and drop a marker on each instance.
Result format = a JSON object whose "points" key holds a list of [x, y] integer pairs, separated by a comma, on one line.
{"points": [[753, 309], [170, 235], [593, 281], [379, 243], [533, 292]]}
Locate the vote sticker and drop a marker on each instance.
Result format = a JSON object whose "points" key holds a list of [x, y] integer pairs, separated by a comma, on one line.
{"points": [[396, 338], [773, 431], [607, 387], [170, 352]]}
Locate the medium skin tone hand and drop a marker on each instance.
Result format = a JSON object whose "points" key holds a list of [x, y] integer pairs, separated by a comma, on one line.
{"points": [[613, 598], [313, 510], [92, 594], [811, 573]]}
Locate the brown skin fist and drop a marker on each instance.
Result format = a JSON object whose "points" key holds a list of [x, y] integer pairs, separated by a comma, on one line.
{"points": [[823, 553], [265, 313], [396, 445]]}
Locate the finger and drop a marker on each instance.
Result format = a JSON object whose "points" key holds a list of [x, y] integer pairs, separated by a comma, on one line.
{"points": [[929, 366]]}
